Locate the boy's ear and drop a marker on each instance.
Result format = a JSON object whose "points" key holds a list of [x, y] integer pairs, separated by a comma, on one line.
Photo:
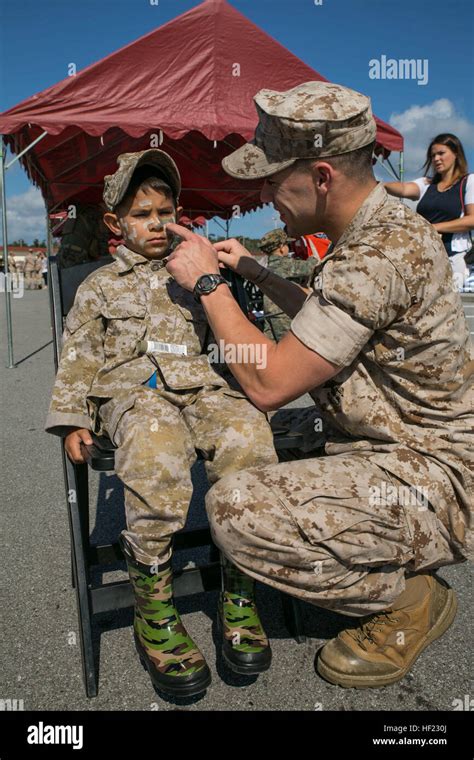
{"points": [[179, 211], [111, 221]]}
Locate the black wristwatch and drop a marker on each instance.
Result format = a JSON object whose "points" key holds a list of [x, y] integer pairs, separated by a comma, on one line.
{"points": [[206, 284]]}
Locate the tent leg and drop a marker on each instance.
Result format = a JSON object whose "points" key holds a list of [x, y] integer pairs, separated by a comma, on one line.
{"points": [[401, 168], [8, 305]]}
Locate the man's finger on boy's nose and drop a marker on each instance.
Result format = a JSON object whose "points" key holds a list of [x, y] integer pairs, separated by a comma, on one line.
{"points": [[182, 232]]}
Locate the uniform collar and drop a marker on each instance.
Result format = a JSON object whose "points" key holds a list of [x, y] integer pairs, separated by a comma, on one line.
{"points": [[375, 200], [125, 259]]}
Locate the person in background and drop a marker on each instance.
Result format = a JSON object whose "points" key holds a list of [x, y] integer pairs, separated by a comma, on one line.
{"points": [[276, 245], [37, 272], [44, 268], [30, 268], [446, 199]]}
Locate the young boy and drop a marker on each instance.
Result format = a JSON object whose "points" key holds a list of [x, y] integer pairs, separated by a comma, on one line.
{"points": [[158, 407]]}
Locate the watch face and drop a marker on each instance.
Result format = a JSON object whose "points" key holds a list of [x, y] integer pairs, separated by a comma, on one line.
{"points": [[206, 282]]}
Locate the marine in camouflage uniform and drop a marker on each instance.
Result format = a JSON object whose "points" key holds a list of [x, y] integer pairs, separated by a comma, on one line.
{"points": [[37, 276], [30, 269], [275, 245], [362, 529], [158, 409], [15, 266]]}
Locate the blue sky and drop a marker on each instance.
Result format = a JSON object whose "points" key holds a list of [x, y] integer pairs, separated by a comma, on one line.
{"points": [[338, 38]]}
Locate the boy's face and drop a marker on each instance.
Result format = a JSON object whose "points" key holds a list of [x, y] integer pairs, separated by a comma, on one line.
{"points": [[139, 221]]}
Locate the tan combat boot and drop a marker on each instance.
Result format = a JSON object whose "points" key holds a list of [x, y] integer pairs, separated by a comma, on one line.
{"points": [[380, 649]]}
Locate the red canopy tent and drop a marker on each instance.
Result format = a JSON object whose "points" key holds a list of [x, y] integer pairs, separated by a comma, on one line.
{"points": [[187, 87], [178, 86]]}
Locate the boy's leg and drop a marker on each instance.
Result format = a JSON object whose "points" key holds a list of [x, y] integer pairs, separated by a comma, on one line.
{"points": [[153, 459], [230, 431], [234, 435]]}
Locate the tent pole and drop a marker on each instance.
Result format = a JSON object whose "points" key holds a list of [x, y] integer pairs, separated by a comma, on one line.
{"points": [[390, 171], [401, 168], [25, 150], [8, 305], [49, 236]]}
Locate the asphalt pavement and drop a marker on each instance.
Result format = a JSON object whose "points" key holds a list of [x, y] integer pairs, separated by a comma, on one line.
{"points": [[40, 654]]}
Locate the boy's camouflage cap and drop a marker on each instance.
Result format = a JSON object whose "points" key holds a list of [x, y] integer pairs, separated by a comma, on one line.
{"points": [[273, 240], [115, 185], [312, 120]]}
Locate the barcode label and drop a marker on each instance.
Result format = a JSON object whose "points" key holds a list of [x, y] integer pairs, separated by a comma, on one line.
{"points": [[167, 348]]}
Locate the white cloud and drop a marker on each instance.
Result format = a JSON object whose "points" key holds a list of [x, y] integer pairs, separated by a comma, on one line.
{"points": [[419, 124], [26, 216]]}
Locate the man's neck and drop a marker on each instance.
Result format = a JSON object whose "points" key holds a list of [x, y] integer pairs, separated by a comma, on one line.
{"points": [[346, 209]]}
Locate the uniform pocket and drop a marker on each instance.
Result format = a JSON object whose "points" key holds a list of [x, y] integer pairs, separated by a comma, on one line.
{"points": [[112, 412], [195, 328], [126, 325]]}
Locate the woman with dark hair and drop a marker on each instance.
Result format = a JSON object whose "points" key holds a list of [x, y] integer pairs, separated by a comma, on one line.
{"points": [[446, 198]]}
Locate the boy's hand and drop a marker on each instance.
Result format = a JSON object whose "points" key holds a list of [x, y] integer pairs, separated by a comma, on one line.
{"points": [[192, 258], [72, 444]]}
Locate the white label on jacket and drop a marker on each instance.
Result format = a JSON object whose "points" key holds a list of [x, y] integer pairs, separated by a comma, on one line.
{"points": [[156, 347]]}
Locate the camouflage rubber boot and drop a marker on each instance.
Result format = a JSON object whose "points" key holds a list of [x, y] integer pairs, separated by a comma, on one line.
{"points": [[166, 651], [245, 646]]}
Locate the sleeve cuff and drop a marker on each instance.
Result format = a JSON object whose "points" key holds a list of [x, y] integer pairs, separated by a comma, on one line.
{"points": [[329, 331], [60, 423]]}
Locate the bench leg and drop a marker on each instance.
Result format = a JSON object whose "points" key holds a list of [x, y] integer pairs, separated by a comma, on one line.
{"points": [[293, 615], [76, 491]]}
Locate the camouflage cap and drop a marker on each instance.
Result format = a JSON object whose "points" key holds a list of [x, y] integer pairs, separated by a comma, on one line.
{"points": [[115, 185], [272, 240], [312, 120]]}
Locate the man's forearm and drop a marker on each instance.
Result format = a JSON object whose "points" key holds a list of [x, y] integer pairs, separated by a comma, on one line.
{"points": [[288, 296], [230, 325]]}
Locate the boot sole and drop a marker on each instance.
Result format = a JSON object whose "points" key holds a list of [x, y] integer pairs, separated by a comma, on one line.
{"points": [[189, 689], [243, 669], [369, 682], [183, 690]]}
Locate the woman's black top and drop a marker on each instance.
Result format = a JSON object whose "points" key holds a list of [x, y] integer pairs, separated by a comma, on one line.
{"points": [[442, 206]]}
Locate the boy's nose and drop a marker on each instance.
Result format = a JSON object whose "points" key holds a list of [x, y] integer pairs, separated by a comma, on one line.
{"points": [[155, 223]]}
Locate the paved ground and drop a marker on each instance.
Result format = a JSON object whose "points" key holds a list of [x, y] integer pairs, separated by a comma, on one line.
{"points": [[41, 662]]}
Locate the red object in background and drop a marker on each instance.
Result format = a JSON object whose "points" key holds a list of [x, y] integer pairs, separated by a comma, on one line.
{"points": [[310, 245], [317, 245], [149, 94]]}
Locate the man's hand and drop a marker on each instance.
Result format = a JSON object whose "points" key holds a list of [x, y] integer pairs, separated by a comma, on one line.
{"points": [[233, 255], [192, 258], [72, 444]]}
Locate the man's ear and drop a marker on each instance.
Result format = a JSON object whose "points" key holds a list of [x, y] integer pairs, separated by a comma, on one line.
{"points": [[323, 174], [112, 222]]}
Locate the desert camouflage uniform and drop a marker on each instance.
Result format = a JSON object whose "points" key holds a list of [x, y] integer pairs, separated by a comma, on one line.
{"points": [[295, 270], [30, 269], [15, 266], [101, 385], [395, 488], [37, 275], [285, 266]]}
